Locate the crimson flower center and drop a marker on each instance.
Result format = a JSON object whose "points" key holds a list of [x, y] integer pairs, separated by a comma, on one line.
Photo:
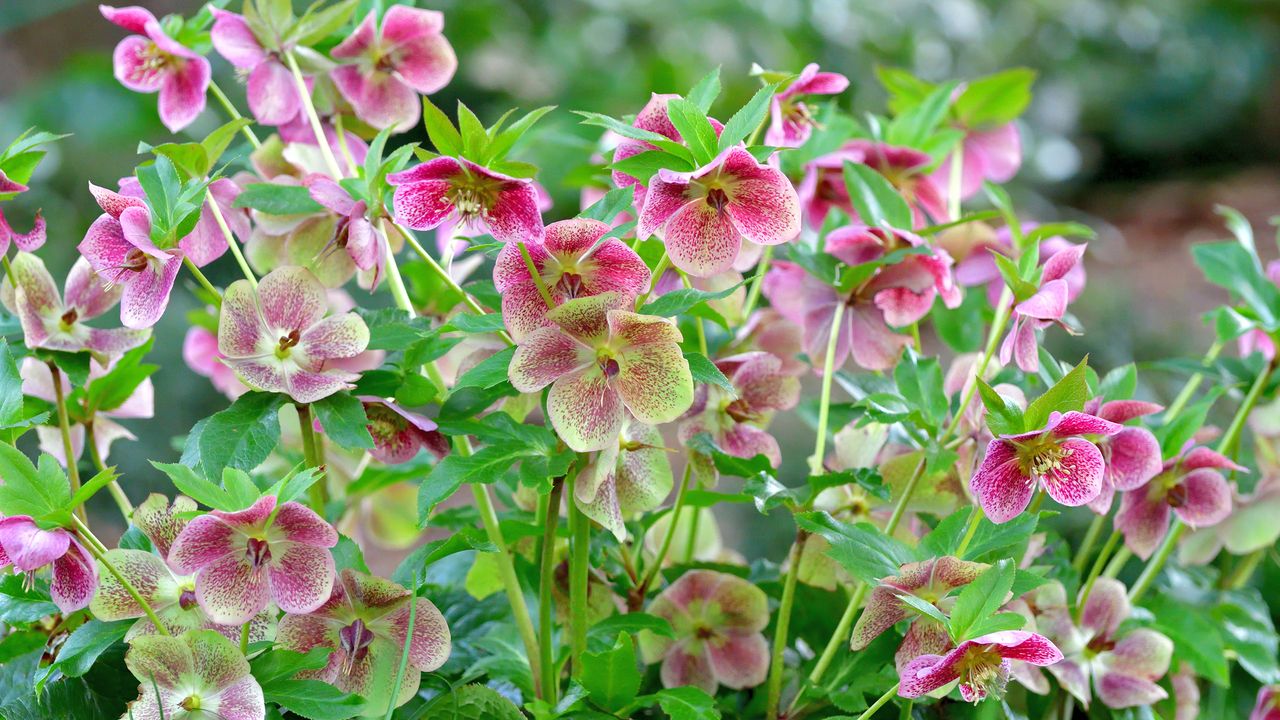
{"points": [[354, 640], [69, 318], [287, 343], [1177, 496], [187, 599], [259, 553], [717, 198]]}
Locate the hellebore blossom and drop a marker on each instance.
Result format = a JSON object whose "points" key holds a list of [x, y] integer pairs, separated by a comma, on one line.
{"points": [[398, 434], [28, 548], [1046, 307], [57, 322], [200, 352], [392, 64], [278, 339], [896, 295], [26, 242], [571, 266], [1069, 467], [1268, 705], [705, 214], [243, 560], [1188, 486], [654, 117], [982, 665], [206, 241], [118, 245], [1250, 526], [979, 265], [1124, 667], [199, 674], [365, 623], [630, 476], [470, 195], [823, 187], [151, 61], [37, 381], [602, 363], [790, 122], [717, 619], [993, 153], [271, 90], [1132, 455], [357, 232]]}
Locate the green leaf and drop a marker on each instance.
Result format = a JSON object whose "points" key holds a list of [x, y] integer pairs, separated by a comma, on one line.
{"points": [[1002, 417], [473, 324], [998, 623], [242, 436], [502, 143], [905, 90], [621, 128], [875, 199], [913, 126], [313, 699], [694, 129], [704, 371], [488, 372], [1120, 383], [920, 382], [344, 421], [614, 202], [240, 488], [318, 24], [444, 136], [1195, 636], [922, 606], [20, 604], [1175, 434], [470, 702], [475, 139], [160, 182], [110, 391], [706, 91], [980, 599], [190, 158], [1229, 265], [28, 491], [681, 301], [862, 549], [610, 676], [995, 99], [1070, 393], [281, 664], [11, 412], [197, 487], [92, 486], [601, 635], [747, 119], [83, 647], [687, 703], [277, 199]]}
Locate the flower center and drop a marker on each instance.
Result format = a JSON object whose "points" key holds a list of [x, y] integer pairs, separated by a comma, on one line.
{"points": [[702, 632], [1099, 644], [187, 599], [570, 283], [1046, 460], [191, 703], [69, 318], [984, 672], [259, 552], [354, 640], [717, 198], [287, 342], [472, 198], [1177, 496], [150, 62], [608, 365], [741, 412]]}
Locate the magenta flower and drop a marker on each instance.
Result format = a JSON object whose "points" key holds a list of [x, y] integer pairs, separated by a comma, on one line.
{"points": [[705, 214], [271, 90], [1258, 339], [1046, 307], [979, 266], [201, 354], [717, 619], [471, 195], [571, 265], [993, 154], [1123, 666], [278, 339], [37, 381], [982, 665], [823, 187], [28, 548], [57, 321], [197, 674], [120, 249], [246, 559], [26, 242], [1132, 455], [1189, 486], [791, 124], [1069, 467], [896, 295], [392, 64], [1249, 527], [398, 434], [365, 624], [206, 242], [151, 61], [630, 476], [1268, 705], [603, 364], [358, 231], [654, 117]]}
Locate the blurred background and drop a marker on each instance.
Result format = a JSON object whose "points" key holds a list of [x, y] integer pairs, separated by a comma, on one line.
{"points": [[1147, 113]]}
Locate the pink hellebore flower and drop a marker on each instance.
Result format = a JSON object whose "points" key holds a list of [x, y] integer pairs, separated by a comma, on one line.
{"points": [[993, 154], [717, 619], [272, 91], [198, 674], [278, 339], [365, 623], [823, 186], [206, 242], [471, 195], [37, 381], [1256, 339], [120, 249], [358, 232], [1268, 705], [654, 117], [28, 548], [1250, 526], [1189, 486], [246, 559], [572, 263], [25, 242], [705, 214], [896, 295], [979, 267], [627, 477], [982, 665], [57, 322], [603, 364], [1045, 308], [790, 124], [1132, 455], [398, 434], [392, 64], [151, 61], [1070, 467], [200, 352]]}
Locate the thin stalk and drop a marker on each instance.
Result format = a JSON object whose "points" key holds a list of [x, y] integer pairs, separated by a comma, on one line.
{"points": [[1117, 563], [579, 567], [1107, 548], [1157, 561], [954, 182], [1090, 539], [113, 487], [469, 301], [550, 513], [691, 540], [395, 281], [881, 702], [783, 627], [232, 244], [1193, 383], [95, 548], [313, 454], [1240, 576], [64, 426], [824, 407], [313, 117], [536, 276], [757, 282], [343, 145], [404, 654], [244, 638], [665, 547], [975, 519], [202, 280], [231, 110], [702, 330], [663, 263], [1004, 308]]}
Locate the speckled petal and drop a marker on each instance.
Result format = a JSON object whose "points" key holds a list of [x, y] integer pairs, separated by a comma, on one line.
{"points": [[159, 520], [148, 575], [654, 381], [75, 578], [585, 411], [738, 660], [291, 298], [701, 240], [1143, 517], [337, 336], [1208, 498], [1080, 478], [1001, 488], [545, 355], [161, 658], [301, 576], [230, 590], [763, 205], [298, 523]]}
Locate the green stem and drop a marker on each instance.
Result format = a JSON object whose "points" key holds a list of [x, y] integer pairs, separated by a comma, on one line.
{"points": [[784, 625], [235, 114], [313, 117], [203, 281], [550, 513], [702, 330], [443, 274], [663, 263], [665, 547], [1117, 563], [579, 566], [757, 283], [95, 548], [64, 426], [313, 454], [1148, 576], [232, 244], [1193, 383], [881, 702], [955, 181], [342, 143], [691, 539], [244, 638], [1107, 548], [1004, 308], [824, 406], [395, 282], [975, 519], [113, 487], [536, 276], [1090, 539], [1240, 576]]}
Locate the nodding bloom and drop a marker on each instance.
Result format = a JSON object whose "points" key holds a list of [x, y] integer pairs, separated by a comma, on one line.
{"points": [[470, 195], [1046, 307], [271, 89], [365, 625], [37, 381], [57, 321], [654, 117], [200, 352], [25, 546], [1258, 340], [979, 265], [278, 339], [1123, 665], [1068, 466], [398, 434], [391, 64], [1132, 455], [931, 581], [1250, 526], [704, 215], [823, 186], [243, 560], [25, 242], [358, 232], [1268, 705], [993, 153], [604, 363], [630, 476], [151, 61], [197, 674], [982, 665], [118, 245], [895, 295], [206, 241], [572, 262], [1189, 486], [790, 122], [717, 619]]}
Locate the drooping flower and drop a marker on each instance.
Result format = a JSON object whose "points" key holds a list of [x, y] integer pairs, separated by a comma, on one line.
{"points": [[471, 195], [200, 352], [1069, 467], [120, 249], [630, 476], [407, 55], [271, 90], [1189, 486], [979, 265], [358, 231], [206, 242], [572, 263], [897, 295], [823, 186], [29, 241], [982, 665], [243, 560], [654, 117], [37, 381], [705, 214], [717, 619], [151, 61], [1123, 666], [1268, 705], [278, 339], [199, 674], [398, 434], [1250, 526], [1046, 307], [790, 122], [1132, 455], [365, 623], [931, 581], [56, 321], [603, 362], [1257, 339], [992, 153], [28, 548]]}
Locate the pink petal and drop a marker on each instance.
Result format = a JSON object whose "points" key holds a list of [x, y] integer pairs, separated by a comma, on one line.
{"points": [[291, 298], [662, 201], [763, 205], [1142, 653], [1143, 517], [1061, 263], [426, 64], [300, 524], [586, 412], [381, 99], [1049, 302], [682, 667], [308, 387], [924, 637], [234, 41], [205, 540], [926, 674], [515, 216], [272, 93], [1001, 488], [422, 205], [738, 660], [1078, 423], [301, 575], [360, 41], [75, 579], [146, 294], [1202, 457], [241, 700], [86, 291], [1133, 458], [182, 93], [1207, 498], [545, 355], [104, 245], [334, 337], [1074, 679], [1122, 411], [1078, 479], [874, 345], [431, 643], [27, 546], [1107, 607], [131, 62], [230, 590], [745, 441], [1122, 691]]}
